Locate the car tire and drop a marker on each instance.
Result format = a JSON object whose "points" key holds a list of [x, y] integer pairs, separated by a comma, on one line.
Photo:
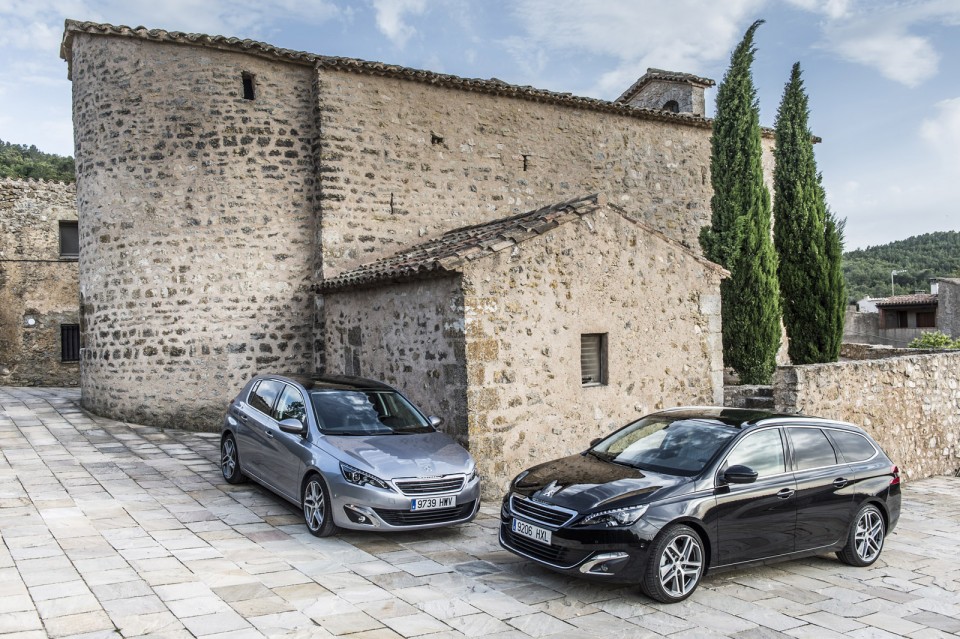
{"points": [[230, 460], [317, 512], [675, 566], [865, 539]]}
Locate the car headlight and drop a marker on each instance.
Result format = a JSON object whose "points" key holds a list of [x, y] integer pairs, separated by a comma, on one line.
{"points": [[473, 474], [361, 478], [615, 517]]}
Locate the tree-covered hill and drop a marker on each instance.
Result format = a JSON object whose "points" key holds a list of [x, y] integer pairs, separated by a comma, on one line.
{"points": [[21, 161], [867, 271]]}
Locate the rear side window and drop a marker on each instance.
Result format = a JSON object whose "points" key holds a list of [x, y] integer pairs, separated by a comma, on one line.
{"points": [[264, 394], [853, 447], [811, 448]]}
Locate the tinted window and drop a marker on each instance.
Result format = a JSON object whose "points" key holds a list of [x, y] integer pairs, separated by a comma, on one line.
{"points": [[291, 406], [366, 413], [811, 448], [264, 394], [681, 447], [762, 452], [853, 447], [69, 239]]}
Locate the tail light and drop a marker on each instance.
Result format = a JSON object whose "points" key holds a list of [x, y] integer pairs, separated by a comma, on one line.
{"points": [[896, 476]]}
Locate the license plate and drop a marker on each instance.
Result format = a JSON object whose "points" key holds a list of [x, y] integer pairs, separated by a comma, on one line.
{"points": [[535, 533], [433, 503]]}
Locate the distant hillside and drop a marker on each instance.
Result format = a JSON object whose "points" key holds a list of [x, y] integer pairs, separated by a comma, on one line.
{"points": [[21, 161], [867, 271]]}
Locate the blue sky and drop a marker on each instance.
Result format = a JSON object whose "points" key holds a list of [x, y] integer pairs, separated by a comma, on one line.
{"points": [[883, 76]]}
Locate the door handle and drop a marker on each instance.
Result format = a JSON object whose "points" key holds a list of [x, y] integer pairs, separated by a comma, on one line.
{"points": [[268, 433], [786, 493], [243, 417], [840, 482]]}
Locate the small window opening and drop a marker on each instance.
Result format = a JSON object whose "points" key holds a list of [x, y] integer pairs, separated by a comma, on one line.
{"points": [[69, 239], [247, 85], [526, 162], [436, 139], [672, 106], [70, 342], [593, 359]]}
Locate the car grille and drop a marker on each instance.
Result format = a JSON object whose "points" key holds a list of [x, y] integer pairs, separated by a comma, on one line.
{"points": [[415, 518], [542, 513], [556, 555], [429, 486]]}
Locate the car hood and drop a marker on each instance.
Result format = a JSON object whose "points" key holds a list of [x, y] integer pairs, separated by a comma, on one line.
{"points": [[392, 456], [585, 483]]}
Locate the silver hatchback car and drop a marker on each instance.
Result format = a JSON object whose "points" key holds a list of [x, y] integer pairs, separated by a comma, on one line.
{"points": [[351, 452]]}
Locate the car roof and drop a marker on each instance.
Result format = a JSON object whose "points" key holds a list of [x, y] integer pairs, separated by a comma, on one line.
{"points": [[335, 382], [744, 418]]}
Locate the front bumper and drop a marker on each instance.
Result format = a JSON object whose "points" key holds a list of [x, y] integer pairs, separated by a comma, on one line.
{"points": [[617, 555], [369, 508]]}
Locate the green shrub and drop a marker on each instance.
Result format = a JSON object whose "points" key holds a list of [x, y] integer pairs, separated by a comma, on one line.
{"points": [[934, 339]]}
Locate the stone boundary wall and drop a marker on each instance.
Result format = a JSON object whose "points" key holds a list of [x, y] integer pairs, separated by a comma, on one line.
{"points": [[882, 351], [910, 405]]}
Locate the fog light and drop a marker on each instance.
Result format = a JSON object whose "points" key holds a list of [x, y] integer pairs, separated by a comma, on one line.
{"points": [[360, 515], [605, 564]]}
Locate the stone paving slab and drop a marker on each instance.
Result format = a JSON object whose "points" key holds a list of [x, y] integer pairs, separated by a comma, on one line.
{"points": [[109, 529]]}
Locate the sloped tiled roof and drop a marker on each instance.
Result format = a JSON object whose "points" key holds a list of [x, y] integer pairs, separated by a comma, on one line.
{"points": [[669, 76], [252, 47], [447, 252], [917, 299]]}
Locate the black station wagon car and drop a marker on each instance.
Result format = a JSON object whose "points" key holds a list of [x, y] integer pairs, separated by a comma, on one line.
{"points": [[350, 452], [674, 494]]}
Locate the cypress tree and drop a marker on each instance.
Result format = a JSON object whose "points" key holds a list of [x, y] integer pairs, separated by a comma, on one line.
{"points": [[739, 235], [808, 239]]}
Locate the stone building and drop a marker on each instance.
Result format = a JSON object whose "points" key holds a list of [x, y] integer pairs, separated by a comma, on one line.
{"points": [[491, 324], [39, 301], [223, 183]]}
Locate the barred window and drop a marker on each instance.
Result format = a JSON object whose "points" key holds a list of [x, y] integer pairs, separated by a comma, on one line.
{"points": [[70, 342], [593, 359]]}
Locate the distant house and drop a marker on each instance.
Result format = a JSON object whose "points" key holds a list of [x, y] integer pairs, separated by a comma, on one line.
{"points": [[900, 319]]}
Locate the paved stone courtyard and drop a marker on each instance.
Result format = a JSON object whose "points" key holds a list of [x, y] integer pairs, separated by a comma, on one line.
{"points": [[111, 529]]}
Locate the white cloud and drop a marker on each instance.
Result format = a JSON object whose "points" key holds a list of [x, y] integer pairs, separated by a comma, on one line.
{"points": [[682, 35], [391, 16], [942, 133], [885, 36]]}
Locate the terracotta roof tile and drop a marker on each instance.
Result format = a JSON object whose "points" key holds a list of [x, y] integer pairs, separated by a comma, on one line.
{"points": [[447, 253], [492, 86], [917, 299]]}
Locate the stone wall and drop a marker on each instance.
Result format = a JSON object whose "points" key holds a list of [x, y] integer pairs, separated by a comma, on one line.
{"points": [[525, 310], [403, 161], [38, 288], [409, 335], [197, 212], [948, 307], [910, 405]]}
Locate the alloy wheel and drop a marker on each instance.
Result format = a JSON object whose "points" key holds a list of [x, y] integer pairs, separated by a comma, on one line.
{"points": [[228, 457], [869, 535], [314, 509], [680, 566]]}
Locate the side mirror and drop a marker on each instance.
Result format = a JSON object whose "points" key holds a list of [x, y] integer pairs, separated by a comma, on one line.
{"points": [[435, 421], [293, 426], [739, 475]]}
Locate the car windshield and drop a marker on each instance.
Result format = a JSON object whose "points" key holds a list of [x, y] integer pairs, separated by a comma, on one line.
{"points": [[660, 444], [366, 413]]}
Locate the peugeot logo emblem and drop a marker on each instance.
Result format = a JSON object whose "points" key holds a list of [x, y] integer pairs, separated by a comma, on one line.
{"points": [[551, 489]]}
